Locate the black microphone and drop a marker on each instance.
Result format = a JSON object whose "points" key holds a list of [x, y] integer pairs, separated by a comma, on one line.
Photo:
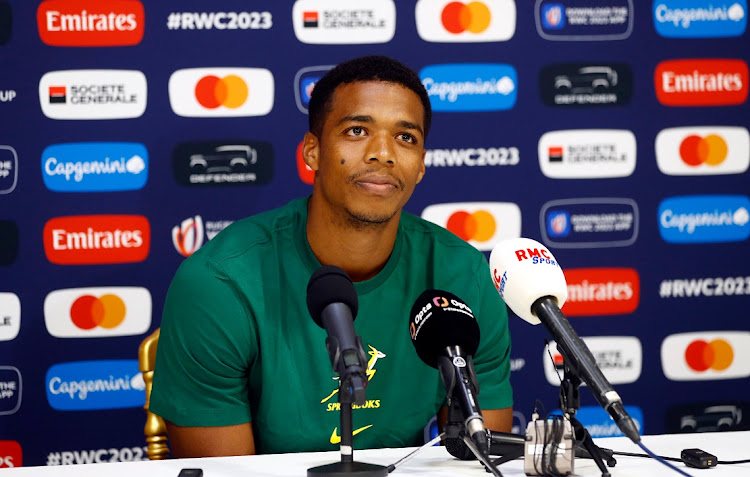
{"points": [[445, 335], [498, 443], [333, 305], [533, 285]]}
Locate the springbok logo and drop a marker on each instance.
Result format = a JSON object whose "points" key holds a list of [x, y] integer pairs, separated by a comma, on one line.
{"points": [[375, 355]]}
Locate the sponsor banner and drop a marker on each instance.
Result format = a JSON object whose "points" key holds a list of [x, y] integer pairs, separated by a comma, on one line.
{"points": [[702, 287], [219, 163], [97, 239], [343, 22], [707, 417], [705, 218], [701, 82], [619, 357], [97, 456], [10, 316], [90, 22], [87, 385], [306, 174], [472, 157], [449, 21], [703, 150], [93, 94], [470, 86], [582, 20], [219, 21], [11, 454], [188, 236], [7, 95], [481, 224], [601, 291], [6, 22], [600, 424], [95, 166], [9, 242], [589, 222], [304, 82], [586, 84], [96, 312], [700, 18], [8, 169], [706, 355], [587, 153], [11, 390], [221, 92]]}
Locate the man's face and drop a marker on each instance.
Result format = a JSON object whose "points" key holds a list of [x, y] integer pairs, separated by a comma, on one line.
{"points": [[370, 155]]}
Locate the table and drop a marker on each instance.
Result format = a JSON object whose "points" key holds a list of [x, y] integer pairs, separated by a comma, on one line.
{"points": [[434, 461]]}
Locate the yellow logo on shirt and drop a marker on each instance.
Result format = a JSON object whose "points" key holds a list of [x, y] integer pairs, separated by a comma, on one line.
{"points": [[336, 439], [375, 355]]}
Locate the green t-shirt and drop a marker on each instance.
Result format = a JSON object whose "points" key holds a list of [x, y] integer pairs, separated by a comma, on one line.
{"points": [[238, 344]]}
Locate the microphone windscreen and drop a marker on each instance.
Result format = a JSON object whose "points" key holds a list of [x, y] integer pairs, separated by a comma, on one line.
{"points": [[440, 319], [523, 271], [328, 285]]}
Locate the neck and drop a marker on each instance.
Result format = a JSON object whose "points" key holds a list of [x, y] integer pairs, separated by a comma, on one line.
{"points": [[361, 249]]}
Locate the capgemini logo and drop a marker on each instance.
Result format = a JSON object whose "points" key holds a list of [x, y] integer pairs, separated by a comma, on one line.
{"points": [[188, 236]]}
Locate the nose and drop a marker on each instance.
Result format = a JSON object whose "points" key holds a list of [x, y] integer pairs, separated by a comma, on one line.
{"points": [[380, 149]]}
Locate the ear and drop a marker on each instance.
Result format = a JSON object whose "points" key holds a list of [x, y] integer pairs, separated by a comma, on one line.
{"points": [[422, 167], [311, 150]]}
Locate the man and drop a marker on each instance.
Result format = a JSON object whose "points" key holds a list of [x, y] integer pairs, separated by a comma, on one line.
{"points": [[241, 366]]}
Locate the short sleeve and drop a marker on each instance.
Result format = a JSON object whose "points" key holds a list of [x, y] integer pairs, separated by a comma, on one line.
{"points": [[206, 347], [492, 360]]}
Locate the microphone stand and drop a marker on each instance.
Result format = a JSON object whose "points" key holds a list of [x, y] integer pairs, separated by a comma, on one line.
{"points": [[457, 429], [570, 402], [351, 389]]}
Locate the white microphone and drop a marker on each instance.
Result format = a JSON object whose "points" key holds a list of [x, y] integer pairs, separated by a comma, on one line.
{"points": [[533, 285]]}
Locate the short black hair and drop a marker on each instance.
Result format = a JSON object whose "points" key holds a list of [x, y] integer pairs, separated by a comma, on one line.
{"points": [[366, 68]]}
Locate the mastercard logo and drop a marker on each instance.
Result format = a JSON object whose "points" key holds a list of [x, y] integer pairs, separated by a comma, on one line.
{"points": [[230, 91], [98, 312], [88, 312], [702, 355], [710, 150], [479, 226], [473, 17]]}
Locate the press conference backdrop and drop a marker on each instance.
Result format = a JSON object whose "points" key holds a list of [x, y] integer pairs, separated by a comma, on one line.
{"points": [[613, 131]]}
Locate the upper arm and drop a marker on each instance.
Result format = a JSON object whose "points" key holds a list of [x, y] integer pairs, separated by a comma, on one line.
{"points": [[214, 441], [206, 347]]}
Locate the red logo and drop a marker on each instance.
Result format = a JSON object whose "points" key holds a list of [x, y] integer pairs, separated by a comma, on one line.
{"points": [[97, 239], [10, 454], [696, 150], [458, 17], [88, 311], [90, 22], [310, 19], [601, 291], [230, 91], [707, 82], [306, 174], [701, 355]]}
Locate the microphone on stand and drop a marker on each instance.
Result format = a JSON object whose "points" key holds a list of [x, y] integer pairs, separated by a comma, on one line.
{"points": [[533, 285], [445, 335]]}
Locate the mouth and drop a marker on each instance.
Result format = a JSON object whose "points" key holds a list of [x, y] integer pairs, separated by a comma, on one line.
{"points": [[379, 184]]}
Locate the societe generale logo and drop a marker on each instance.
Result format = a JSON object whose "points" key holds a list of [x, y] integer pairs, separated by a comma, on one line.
{"points": [[707, 355], [306, 174], [587, 153], [703, 150], [97, 312], [619, 357], [10, 316], [11, 454], [344, 22], [90, 22], [450, 21], [601, 291], [97, 239], [221, 92], [701, 82], [481, 224]]}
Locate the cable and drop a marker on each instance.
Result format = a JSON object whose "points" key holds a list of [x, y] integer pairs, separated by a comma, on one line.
{"points": [[646, 449], [676, 459], [408, 456]]}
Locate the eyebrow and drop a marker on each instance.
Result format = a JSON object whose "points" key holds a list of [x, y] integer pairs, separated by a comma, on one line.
{"points": [[368, 119]]}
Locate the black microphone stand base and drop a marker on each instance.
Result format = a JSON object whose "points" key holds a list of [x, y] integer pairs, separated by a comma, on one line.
{"points": [[342, 469]]}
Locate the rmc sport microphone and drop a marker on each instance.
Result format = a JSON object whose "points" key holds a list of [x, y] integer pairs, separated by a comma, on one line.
{"points": [[445, 335], [533, 285], [332, 303]]}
